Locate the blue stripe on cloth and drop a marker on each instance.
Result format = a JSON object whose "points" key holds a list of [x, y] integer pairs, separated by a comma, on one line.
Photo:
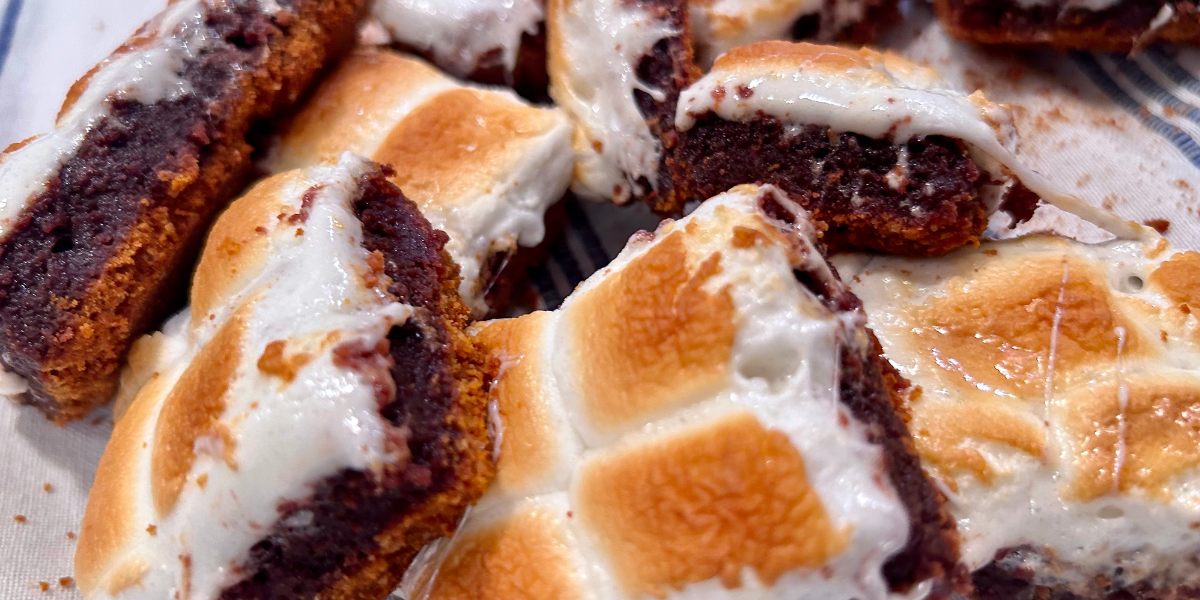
{"points": [[8, 28], [1134, 73], [1173, 70], [562, 256], [544, 282], [580, 224], [1101, 79]]}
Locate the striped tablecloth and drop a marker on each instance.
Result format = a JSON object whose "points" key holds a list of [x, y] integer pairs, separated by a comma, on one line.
{"points": [[1120, 132]]}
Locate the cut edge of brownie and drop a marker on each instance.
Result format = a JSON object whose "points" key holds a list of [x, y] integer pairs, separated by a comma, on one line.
{"points": [[1008, 577], [101, 255], [919, 198], [872, 390], [669, 67], [366, 528], [1125, 26]]}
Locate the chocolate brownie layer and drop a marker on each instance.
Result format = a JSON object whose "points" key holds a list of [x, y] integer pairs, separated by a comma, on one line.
{"points": [[867, 384], [99, 256], [1000, 581], [669, 68], [852, 184], [1120, 27], [353, 538]]}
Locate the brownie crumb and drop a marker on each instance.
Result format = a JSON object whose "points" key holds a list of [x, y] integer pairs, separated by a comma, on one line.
{"points": [[46, 487], [70, 535], [1159, 225], [152, 529], [45, 585], [66, 583], [20, 518]]}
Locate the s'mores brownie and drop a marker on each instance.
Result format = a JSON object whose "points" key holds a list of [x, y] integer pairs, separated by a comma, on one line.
{"points": [[720, 25], [102, 216], [1056, 388], [879, 150], [482, 164], [706, 417], [322, 418], [499, 42], [1109, 25], [616, 67]]}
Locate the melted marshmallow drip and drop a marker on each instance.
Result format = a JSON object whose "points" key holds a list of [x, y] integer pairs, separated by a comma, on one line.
{"points": [[288, 435], [459, 33], [1024, 504], [1055, 329], [602, 42], [879, 103], [511, 213], [148, 75], [1122, 411]]}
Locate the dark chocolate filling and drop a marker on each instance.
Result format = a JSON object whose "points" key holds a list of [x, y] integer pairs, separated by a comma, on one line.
{"points": [[1005, 579], [147, 179], [1122, 22], [332, 534], [930, 206], [668, 68], [932, 549], [70, 231]]}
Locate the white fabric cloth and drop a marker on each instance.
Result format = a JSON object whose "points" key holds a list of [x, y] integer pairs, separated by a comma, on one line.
{"points": [[1120, 133]]}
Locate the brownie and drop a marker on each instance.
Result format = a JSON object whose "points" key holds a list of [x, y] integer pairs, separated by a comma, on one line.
{"points": [[869, 387], [1124, 26], [845, 181], [366, 527], [102, 254]]}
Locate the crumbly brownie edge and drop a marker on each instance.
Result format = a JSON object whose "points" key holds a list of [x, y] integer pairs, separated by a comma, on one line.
{"points": [[669, 67], [845, 181], [108, 261], [1119, 28], [997, 581], [366, 529], [873, 391]]}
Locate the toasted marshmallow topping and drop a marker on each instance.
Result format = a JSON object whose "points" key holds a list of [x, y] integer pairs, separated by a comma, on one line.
{"points": [[720, 25], [482, 164], [460, 34], [1059, 388], [879, 95], [260, 404], [594, 48], [674, 430], [147, 71]]}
